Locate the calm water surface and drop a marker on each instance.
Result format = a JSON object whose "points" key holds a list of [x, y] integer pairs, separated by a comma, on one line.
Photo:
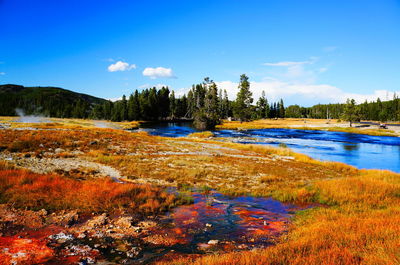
{"points": [[361, 151]]}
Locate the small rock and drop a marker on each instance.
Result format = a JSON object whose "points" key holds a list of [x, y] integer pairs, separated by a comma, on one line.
{"points": [[59, 150], [213, 242], [147, 224], [42, 212], [61, 237], [97, 221], [124, 222], [133, 252]]}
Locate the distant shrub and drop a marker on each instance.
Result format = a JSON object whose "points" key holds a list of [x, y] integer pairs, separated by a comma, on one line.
{"points": [[205, 134], [282, 145]]}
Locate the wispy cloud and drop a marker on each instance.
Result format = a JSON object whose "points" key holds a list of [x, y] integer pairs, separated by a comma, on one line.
{"points": [[158, 72], [329, 48], [287, 64], [158, 86], [120, 66], [2, 73], [292, 63], [306, 93], [323, 69]]}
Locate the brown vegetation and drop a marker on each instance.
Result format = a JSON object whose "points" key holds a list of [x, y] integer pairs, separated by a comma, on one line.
{"points": [[24, 189], [357, 221]]}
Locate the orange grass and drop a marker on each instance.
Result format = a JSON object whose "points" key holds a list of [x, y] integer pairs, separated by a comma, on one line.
{"points": [[24, 189], [358, 224], [362, 227]]}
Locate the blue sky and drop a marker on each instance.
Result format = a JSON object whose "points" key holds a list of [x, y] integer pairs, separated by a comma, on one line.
{"points": [[306, 51]]}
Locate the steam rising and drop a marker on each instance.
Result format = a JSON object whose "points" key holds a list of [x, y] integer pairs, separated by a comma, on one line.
{"points": [[29, 118]]}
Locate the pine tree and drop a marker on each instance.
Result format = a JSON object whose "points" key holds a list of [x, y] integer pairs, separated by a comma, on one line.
{"points": [[281, 109], [351, 111], [262, 107], [172, 105], [242, 108]]}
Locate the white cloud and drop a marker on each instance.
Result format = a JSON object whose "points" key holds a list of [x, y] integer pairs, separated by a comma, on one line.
{"points": [[2, 73], [302, 94], [296, 82], [295, 71], [285, 63], [158, 86], [121, 66], [158, 72], [292, 63], [114, 99]]}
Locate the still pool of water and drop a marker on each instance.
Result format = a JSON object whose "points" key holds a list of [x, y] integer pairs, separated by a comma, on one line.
{"points": [[219, 222], [361, 151]]}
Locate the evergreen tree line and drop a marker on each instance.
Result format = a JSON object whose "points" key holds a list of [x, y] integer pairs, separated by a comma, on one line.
{"points": [[204, 103], [375, 110]]}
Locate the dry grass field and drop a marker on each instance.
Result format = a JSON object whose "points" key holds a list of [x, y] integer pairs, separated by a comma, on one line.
{"points": [[356, 218], [309, 124]]}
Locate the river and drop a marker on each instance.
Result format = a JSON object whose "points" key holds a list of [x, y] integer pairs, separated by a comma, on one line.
{"points": [[359, 150]]}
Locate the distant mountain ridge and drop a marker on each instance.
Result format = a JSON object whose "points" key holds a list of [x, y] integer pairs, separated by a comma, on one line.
{"points": [[47, 101]]}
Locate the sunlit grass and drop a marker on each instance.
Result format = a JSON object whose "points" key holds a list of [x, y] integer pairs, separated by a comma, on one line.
{"points": [[355, 219], [205, 134], [304, 124], [24, 189]]}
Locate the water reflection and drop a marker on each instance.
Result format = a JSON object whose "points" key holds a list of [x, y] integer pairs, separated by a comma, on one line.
{"points": [[219, 222], [362, 151], [351, 147]]}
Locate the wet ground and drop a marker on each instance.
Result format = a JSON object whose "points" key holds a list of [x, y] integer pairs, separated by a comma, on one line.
{"points": [[215, 221], [359, 150]]}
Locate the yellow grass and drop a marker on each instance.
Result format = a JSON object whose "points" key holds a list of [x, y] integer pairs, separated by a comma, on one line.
{"points": [[356, 219], [205, 134], [48, 123], [362, 227], [304, 124]]}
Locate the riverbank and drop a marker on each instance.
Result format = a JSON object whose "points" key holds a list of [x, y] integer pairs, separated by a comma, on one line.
{"points": [[310, 124], [356, 218], [37, 122]]}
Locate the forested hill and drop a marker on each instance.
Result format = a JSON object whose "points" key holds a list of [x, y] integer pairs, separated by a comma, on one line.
{"points": [[204, 103], [47, 101]]}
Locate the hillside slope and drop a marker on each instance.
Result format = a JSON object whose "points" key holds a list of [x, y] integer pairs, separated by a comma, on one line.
{"points": [[47, 101]]}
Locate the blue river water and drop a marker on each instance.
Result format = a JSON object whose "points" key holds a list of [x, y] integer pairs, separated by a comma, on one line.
{"points": [[361, 151]]}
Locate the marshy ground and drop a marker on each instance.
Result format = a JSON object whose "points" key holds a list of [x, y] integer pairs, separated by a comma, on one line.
{"points": [[62, 200]]}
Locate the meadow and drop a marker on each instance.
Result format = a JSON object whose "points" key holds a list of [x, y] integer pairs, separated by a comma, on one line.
{"points": [[354, 219], [307, 124]]}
